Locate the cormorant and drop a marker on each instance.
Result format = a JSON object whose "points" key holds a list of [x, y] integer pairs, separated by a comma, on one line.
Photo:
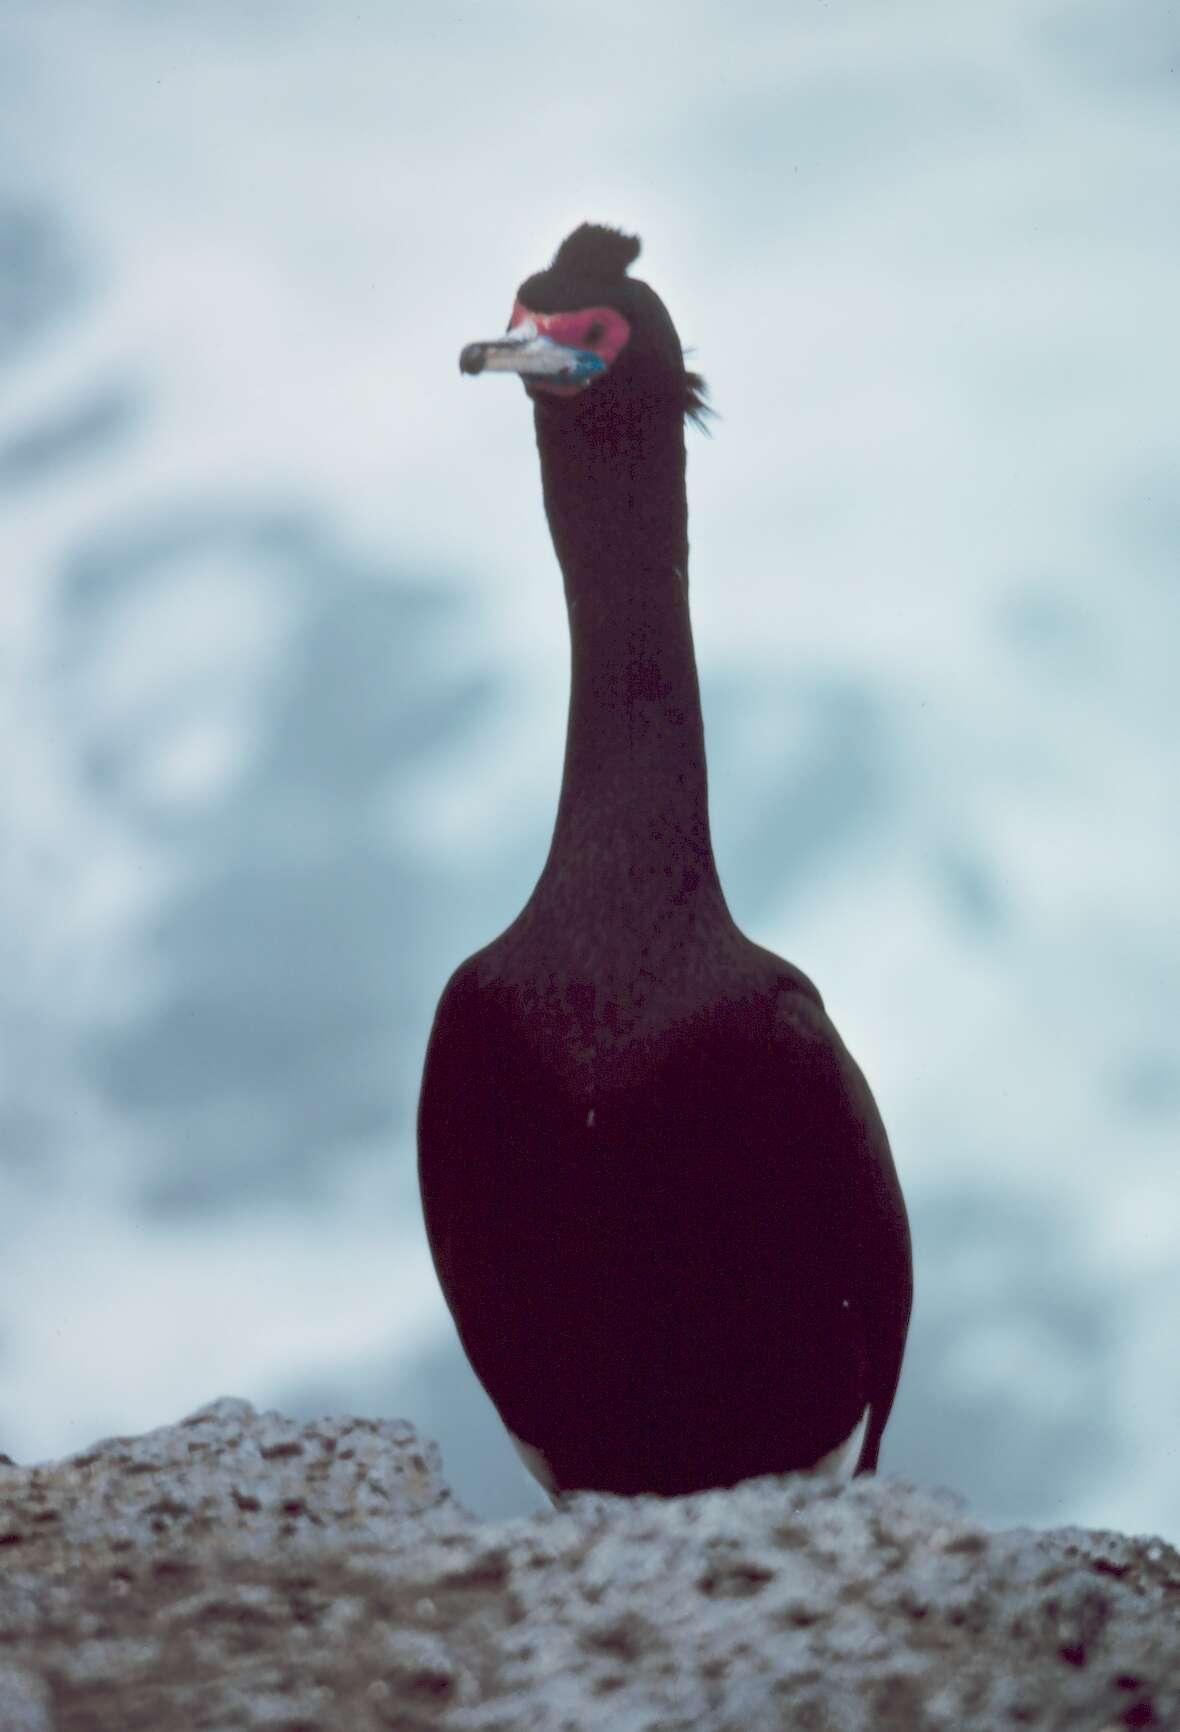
{"points": [[657, 1189]]}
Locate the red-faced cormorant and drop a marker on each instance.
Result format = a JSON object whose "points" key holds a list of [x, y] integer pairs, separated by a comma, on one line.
{"points": [[658, 1192]]}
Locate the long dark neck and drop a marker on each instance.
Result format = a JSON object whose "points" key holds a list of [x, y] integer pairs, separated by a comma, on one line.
{"points": [[633, 822]]}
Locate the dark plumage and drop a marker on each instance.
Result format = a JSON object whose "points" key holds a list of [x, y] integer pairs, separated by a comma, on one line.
{"points": [[595, 251], [658, 1192]]}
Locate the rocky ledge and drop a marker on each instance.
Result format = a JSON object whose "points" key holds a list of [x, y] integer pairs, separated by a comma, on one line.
{"points": [[242, 1571]]}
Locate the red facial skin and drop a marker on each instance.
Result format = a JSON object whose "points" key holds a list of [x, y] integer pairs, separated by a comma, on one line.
{"points": [[600, 329]]}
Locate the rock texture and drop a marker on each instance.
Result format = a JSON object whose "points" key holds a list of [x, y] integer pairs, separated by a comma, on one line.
{"points": [[240, 1571]]}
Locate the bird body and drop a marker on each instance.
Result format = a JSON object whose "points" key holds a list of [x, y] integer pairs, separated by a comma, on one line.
{"points": [[658, 1193]]}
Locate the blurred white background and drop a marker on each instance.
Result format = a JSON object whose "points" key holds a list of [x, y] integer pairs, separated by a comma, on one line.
{"points": [[283, 665]]}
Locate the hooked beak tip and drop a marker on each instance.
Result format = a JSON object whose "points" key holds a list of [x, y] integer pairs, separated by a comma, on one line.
{"points": [[473, 358]]}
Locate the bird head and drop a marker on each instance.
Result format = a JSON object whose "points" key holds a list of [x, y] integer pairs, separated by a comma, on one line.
{"points": [[585, 331]]}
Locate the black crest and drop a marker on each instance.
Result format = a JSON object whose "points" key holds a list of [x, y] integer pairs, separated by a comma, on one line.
{"points": [[597, 255], [593, 250]]}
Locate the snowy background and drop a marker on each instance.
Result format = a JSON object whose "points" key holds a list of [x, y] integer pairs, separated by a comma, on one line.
{"points": [[283, 664]]}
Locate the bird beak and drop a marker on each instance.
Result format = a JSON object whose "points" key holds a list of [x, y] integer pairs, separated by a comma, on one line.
{"points": [[527, 351]]}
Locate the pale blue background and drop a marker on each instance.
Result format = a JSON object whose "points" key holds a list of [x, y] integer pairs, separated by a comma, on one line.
{"points": [[282, 664]]}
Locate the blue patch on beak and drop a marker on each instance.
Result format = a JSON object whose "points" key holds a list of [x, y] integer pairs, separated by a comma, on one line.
{"points": [[583, 366]]}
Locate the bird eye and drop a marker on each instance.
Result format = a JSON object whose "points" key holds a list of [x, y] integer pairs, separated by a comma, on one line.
{"points": [[594, 333]]}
